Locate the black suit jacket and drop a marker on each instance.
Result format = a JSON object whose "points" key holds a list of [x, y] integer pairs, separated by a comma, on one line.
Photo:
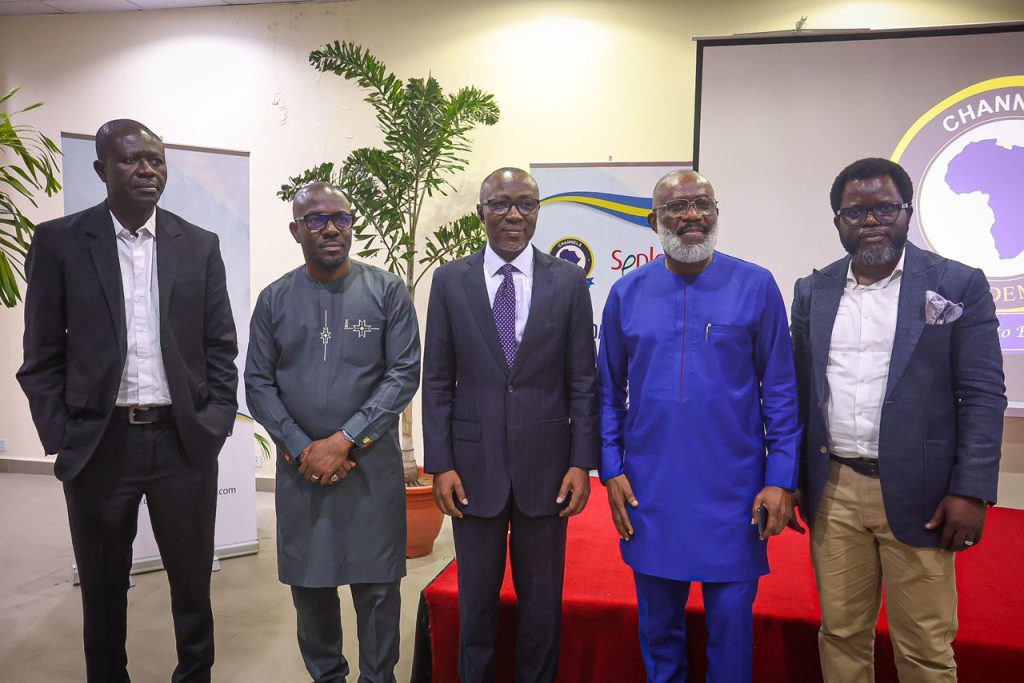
{"points": [[502, 428], [942, 416], [75, 339]]}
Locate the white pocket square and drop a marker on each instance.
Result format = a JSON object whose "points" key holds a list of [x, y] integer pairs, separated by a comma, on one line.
{"points": [[940, 311]]}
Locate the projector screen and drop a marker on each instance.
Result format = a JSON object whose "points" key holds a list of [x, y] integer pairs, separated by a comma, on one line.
{"points": [[778, 116]]}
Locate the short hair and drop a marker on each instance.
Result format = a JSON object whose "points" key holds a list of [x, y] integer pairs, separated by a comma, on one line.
{"points": [[112, 129], [309, 188], [501, 171], [872, 167]]}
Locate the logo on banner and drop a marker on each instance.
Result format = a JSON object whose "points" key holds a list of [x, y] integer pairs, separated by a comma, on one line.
{"points": [[575, 251], [624, 262], [966, 158], [623, 206]]}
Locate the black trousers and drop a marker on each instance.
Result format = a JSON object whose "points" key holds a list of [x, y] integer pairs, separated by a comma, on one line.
{"points": [[103, 505], [538, 569]]}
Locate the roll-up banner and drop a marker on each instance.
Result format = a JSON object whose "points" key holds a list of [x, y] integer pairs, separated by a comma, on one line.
{"points": [[595, 216]]}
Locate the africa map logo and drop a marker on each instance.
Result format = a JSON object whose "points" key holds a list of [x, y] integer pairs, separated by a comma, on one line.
{"points": [[966, 158], [576, 251]]}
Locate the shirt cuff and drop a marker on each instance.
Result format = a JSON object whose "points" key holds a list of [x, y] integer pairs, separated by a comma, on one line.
{"points": [[295, 443]]}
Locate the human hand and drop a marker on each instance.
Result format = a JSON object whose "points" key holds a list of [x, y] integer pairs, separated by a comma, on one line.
{"points": [[620, 493], [325, 459], [448, 489], [779, 503], [798, 510], [577, 482], [962, 520]]}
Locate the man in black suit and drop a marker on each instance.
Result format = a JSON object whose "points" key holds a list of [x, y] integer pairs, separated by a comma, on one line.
{"points": [[130, 375], [510, 424]]}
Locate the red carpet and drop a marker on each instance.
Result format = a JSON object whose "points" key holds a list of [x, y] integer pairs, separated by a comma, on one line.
{"points": [[599, 627]]}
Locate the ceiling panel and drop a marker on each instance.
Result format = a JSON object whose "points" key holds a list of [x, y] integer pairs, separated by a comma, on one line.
{"points": [[84, 6], [174, 4], [9, 7], [12, 7]]}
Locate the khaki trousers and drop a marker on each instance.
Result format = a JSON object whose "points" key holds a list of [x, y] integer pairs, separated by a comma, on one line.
{"points": [[854, 552]]}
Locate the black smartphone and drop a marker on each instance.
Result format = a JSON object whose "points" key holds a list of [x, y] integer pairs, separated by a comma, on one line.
{"points": [[762, 520]]}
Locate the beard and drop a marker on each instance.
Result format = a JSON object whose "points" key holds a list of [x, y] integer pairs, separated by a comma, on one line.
{"points": [[876, 254], [677, 248]]}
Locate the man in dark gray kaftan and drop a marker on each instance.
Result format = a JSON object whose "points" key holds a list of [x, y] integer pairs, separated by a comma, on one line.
{"points": [[333, 359]]}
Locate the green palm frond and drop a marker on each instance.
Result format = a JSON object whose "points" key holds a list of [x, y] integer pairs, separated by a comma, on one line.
{"points": [[459, 238], [28, 165], [426, 142]]}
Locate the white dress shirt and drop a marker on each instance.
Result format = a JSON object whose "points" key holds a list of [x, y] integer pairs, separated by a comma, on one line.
{"points": [[143, 380], [858, 363], [522, 278]]}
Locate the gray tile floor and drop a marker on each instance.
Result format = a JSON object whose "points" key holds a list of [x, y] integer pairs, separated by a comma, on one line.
{"points": [[41, 614]]}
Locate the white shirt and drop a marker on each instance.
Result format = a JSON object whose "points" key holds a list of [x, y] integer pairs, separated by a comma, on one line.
{"points": [[143, 379], [858, 363], [522, 279]]}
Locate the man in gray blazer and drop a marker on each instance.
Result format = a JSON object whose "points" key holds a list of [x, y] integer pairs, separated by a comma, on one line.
{"points": [[901, 387], [510, 424]]}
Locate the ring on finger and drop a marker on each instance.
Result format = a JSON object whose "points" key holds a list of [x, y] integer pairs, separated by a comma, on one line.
{"points": [[316, 477], [335, 478], [968, 543]]}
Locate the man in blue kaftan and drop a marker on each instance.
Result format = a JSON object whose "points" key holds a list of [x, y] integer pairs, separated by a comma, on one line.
{"points": [[700, 429]]}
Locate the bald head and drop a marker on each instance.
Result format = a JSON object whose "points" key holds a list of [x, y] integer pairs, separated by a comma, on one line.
{"points": [[503, 175], [316, 193], [680, 177]]}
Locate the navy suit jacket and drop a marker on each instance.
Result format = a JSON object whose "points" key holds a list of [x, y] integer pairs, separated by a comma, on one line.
{"points": [[942, 416], [504, 428], [75, 337]]}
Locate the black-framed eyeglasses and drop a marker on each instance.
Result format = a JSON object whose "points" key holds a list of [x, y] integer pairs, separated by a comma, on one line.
{"points": [[705, 206], [503, 206], [884, 213], [315, 222]]}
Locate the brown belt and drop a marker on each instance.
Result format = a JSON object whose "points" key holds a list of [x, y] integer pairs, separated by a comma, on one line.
{"points": [[136, 415], [866, 466]]}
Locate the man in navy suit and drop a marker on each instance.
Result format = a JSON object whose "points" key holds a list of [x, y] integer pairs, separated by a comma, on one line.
{"points": [[130, 374], [510, 424], [901, 388]]}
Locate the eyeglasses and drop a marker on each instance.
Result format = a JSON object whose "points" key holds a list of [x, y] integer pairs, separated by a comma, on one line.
{"points": [[884, 213], [502, 206], [705, 206], [315, 222]]}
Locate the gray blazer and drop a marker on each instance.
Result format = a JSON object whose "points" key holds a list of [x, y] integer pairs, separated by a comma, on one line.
{"points": [[942, 416], [504, 428]]}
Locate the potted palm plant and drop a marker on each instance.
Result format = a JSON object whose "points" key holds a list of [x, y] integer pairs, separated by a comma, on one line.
{"points": [[28, 164], [426, 140]]}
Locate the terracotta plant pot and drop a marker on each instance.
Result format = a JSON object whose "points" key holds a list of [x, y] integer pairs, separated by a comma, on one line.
{"points": [[423, 519]]}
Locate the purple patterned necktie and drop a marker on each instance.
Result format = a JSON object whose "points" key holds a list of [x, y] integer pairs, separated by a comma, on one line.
{"points": [[504, 310]]}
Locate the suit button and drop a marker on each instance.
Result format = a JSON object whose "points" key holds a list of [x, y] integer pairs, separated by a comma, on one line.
{"points": [[510, 388], [824, 450]]}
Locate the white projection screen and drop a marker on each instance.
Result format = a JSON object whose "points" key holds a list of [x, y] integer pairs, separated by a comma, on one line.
{"points": [[778, 116]]}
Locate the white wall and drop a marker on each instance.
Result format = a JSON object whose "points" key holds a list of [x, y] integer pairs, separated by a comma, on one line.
{"points": [[576, 81]]}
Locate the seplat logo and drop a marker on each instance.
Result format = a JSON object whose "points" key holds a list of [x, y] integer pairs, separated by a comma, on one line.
{"points": [[966, 158], [625, 207]]}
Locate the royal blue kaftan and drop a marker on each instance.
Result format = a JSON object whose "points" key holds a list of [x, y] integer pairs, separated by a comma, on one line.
{"points": [[699, 410]]}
